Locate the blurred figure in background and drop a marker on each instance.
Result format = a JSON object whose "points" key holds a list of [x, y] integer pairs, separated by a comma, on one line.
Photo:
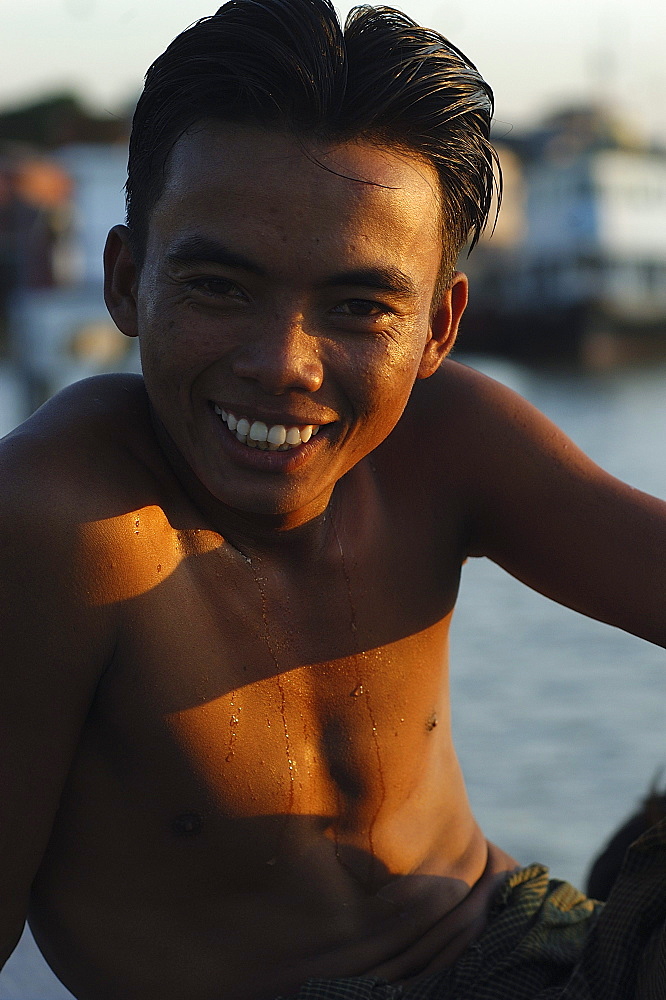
{"points": [[606, 866]]}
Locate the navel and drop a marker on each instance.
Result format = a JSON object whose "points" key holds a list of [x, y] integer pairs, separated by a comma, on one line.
{"points": [[187, 824]]}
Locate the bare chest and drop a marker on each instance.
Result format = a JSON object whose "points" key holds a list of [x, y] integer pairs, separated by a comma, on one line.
{"points": [[257, 738], [273, 695], [266, 675]]}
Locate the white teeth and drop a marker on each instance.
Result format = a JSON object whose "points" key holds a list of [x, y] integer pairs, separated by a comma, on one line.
{"points": [[277, 435], [258, 431], [257, 434]]}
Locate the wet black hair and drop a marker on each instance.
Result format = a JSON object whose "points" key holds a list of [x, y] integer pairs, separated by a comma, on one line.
{"points": [[289, 65]]}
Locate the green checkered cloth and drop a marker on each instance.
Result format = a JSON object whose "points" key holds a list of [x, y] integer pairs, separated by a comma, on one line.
{"points": [[546, 941]]}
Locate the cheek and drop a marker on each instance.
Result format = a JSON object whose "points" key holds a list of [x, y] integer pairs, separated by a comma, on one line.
{"points": [[382, 375], [173, 349], [385, 393], [398, 364]]}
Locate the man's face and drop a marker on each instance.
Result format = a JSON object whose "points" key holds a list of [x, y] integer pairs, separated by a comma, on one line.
{"points": [[285, 286]]}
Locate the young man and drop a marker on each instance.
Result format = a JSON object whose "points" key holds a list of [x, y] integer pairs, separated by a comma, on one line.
{"points": [[227, 586]]}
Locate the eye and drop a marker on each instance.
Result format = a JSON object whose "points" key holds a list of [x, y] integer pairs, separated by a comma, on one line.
{"points": [[361, 307], [217, 288]]}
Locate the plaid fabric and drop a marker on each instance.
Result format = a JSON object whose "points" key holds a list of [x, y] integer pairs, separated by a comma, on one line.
{"points": [[546, 941]]}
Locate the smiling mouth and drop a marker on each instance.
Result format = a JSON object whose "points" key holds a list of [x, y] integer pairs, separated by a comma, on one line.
{"points": [[257, 434]]}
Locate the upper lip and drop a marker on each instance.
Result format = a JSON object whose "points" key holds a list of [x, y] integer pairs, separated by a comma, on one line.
{"points": [[287, 419]]}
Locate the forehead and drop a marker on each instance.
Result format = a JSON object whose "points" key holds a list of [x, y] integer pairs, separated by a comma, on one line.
{"points": [[256, 183]]}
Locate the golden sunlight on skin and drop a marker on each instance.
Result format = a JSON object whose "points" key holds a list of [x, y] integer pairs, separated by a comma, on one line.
{"points": [[327, 740], [319, 739], [151, 552]]}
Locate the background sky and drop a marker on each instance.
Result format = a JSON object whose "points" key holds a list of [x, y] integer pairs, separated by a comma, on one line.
{"points": [[536, 55]]}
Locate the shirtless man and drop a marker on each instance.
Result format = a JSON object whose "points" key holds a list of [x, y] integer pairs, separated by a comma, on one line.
{"points": [[227, 586]]}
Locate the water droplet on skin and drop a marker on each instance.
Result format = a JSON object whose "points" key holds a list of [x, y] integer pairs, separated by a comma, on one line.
{"points": [[233, 722], [358, 690], [273, 647]]}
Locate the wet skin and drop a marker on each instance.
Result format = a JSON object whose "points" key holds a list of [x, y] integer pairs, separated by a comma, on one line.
{"points": [[226, 685]]}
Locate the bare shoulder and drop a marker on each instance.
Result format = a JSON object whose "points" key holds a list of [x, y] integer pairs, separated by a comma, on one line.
{"points": [[464, 394], [70, 477], [508, 453], [462, 417], [488, 428], [73, 446]]}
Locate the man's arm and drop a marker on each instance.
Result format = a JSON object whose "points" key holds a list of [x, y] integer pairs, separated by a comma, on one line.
{"points": [[552, 518], [51, 657]]}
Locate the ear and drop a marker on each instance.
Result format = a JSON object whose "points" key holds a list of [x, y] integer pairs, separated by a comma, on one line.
{"points": [[444, 325], [120, 281]]}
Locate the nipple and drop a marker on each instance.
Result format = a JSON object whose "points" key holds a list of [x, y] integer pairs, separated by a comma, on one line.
{"points": [[188, 824]]}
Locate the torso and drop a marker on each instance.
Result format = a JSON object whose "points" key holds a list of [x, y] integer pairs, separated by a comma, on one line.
{"points": [[266, 782]]}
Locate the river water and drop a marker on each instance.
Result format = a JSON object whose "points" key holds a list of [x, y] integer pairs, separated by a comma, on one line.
{"points": [[559, 721]]}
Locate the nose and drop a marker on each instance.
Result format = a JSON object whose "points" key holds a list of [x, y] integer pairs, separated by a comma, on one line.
{"points": [[282, 357]]}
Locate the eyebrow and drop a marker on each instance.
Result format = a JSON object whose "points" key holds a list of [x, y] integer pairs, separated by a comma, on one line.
{"points": [[384, 279], [200, 250]]}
